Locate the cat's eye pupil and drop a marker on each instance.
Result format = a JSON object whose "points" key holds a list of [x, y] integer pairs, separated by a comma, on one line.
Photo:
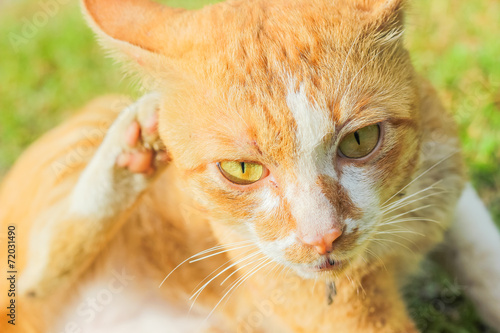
{"points": [[360, 143], [242, 167], [356, 136]]}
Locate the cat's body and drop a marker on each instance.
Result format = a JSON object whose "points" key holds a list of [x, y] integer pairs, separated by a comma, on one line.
{"points": [[162, 232], [322, 242]]}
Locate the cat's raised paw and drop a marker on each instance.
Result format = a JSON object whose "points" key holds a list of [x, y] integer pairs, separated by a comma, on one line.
{"points": [[143, 150]]}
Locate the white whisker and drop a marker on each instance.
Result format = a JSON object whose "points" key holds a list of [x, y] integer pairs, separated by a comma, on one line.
{"points": [[392, 241], [421, 175], [238, 269], [228, 262], [408, 212], [263, 263], [220, 252], [200, 290], [404, 204], [215, 248], [394, 232], [339, 81], [370, 252], [314, 285], [406, 239], [348, 89], [414, 194], [410, 219]]}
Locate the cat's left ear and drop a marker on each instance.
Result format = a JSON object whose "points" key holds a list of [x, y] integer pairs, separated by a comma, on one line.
{"points": [[386, 14], [140, 32], [382, 20]]}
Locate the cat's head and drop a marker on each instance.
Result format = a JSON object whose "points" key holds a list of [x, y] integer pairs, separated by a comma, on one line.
{"points": [[293, 122]]}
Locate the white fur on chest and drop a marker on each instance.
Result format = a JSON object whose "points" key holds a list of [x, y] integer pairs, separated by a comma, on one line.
{"points": [[115, 305]]}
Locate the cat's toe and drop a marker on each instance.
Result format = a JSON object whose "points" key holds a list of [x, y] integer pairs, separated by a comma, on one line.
{"points": [[133, 134], [142, 162], [144, 152], [147, 116], [151, 125], [137, 161]]}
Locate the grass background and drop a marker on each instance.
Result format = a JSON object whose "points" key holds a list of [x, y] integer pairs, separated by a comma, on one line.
{"points": [[455, 43]]}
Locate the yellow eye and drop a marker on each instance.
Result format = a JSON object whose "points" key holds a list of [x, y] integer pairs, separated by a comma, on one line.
{"points": [[241, 173], [360, 143]]}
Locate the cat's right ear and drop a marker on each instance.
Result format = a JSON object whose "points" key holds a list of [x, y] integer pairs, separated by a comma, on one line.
{"points": [[140, 32]]}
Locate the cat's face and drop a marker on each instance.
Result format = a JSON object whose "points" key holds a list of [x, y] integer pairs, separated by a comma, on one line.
{"points": [[293, 122], [295, 138]]}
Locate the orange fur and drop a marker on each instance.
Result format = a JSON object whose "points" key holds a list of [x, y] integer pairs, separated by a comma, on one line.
{"points": [[225, 75]]}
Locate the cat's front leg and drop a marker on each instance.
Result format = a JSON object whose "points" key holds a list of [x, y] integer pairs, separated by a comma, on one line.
{"points": [[71, 232], [124, 165]]}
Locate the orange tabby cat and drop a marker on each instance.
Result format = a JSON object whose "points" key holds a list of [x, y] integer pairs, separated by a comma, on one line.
{"points": [[282, 151]]}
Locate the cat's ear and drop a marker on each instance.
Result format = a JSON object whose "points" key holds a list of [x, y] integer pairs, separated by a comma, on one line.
{"points": [[383, 19], [139, 30], [388, 14]]}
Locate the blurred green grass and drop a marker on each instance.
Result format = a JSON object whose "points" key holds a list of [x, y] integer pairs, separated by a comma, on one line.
{"points": [[453, 43]]}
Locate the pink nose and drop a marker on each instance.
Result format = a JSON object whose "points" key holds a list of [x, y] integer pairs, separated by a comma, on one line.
{"points": [[323, 244]]}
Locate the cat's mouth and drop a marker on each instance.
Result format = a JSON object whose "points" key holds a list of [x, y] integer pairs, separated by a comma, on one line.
{"points": [[325, 268], [328, 264]]}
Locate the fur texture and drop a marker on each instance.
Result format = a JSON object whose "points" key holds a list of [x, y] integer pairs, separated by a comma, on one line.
{"points": [[279, 83]]}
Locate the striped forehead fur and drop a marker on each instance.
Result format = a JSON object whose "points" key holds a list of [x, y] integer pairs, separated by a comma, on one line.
{"points": [[311, 209], [313, 123]]}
